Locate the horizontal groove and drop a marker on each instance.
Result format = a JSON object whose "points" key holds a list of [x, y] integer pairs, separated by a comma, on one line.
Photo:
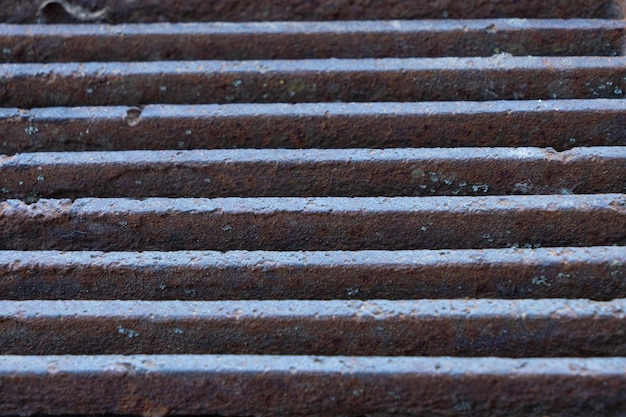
{"points": [[313, 173], [301, 40], [510, 328], [560, 124], [595, 272], [324, 386], [500, 77], [330, 223], [119, 11]]}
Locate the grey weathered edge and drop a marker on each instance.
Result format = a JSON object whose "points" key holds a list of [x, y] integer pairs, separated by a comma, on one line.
{"points": [[591, 272], [317, 386]]}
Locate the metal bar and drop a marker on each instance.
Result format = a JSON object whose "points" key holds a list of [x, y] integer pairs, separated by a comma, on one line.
{"points": [[510, 328], [291, 81], [118, 11], [561, 124], [596, 273], [301, 40], [307, 385], [331, 223], [310, 173]]}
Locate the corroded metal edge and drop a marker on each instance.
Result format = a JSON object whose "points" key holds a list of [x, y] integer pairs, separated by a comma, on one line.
{"points": [[313, 386], [499, 77], [561, 124], [311, 173], [300, 40], [330, 223], [595, 272], [510, 328]]}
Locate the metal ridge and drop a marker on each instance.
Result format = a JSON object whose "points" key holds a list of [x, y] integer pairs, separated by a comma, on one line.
{"points": [[511, 328], [300, 40], [331, 223], [325, 80], [591, 272], [273, 385], [560, 124], [313, 172]]}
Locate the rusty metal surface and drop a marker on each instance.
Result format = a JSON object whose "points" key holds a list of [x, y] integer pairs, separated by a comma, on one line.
{"points": [[472, 238], [500, 77], [470, 328], [596, 273], [313, 172], [560, 124], [323, 223], [302, 40], [117, 11], [311, 385]]}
